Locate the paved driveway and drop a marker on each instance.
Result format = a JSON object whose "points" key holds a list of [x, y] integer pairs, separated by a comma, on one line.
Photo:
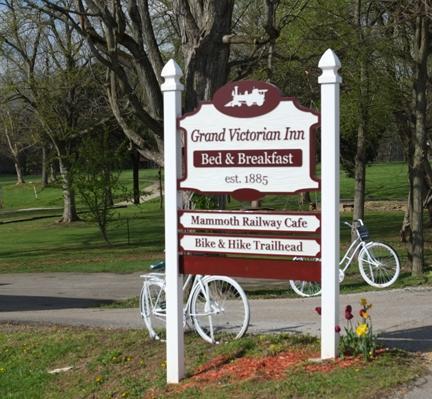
{"points": [[403, 317]]}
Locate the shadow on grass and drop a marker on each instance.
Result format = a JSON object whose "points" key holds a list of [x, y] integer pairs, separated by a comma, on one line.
{"points": [[413, 339], [18, 303], [88, 246]]}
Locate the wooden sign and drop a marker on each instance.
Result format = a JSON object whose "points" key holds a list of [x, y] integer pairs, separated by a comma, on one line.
{"points": [[250, 221], [249, 142], [247, 245]]}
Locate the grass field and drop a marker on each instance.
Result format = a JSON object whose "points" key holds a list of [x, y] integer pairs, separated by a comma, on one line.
{"points": [[45, 245], [126, 364], [32, 195], [137, 231]]}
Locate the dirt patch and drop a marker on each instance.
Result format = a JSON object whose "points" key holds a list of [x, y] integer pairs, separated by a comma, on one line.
{"points": [[348, 206], [325, 367], [268, 367], [386, 205]]}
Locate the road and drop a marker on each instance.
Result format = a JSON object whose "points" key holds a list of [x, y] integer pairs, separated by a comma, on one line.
{"points": [[402, 317]]}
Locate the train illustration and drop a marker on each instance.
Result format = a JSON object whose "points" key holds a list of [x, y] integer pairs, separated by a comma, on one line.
{"points": [[255, 97]]}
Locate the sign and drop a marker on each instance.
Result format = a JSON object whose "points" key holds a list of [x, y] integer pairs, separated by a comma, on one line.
{"points": [[255, 221], [250, 142], [257, 143], [274, 246]]}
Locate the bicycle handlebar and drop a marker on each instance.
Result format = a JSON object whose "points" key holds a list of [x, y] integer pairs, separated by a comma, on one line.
{"points": [[359, 221]]}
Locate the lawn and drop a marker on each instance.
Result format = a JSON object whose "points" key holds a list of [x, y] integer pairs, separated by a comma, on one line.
{"points": [[39, 243], [45, 245], [32, 195], [126, 364]]}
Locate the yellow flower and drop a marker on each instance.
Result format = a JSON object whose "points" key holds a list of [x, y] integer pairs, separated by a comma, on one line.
{"points": [[362, 329], [99, 379], [363, 302]]}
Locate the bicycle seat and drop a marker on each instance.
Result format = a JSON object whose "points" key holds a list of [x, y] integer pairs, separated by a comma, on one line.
{"points": [[158, 266]]}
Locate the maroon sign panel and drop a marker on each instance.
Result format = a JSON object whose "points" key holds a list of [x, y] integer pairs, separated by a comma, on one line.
{"points": [[249, 142], [246, 98], [247, 159]]}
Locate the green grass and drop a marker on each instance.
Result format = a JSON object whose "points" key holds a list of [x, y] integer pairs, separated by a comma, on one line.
{"points": [[384, 181], [120, 364], [45, 245], [23, 196], [137, 233]]}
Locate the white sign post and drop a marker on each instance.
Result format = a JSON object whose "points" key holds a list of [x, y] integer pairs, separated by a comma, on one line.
{"points": [[329, 81], [172, 89], [271, 134]]}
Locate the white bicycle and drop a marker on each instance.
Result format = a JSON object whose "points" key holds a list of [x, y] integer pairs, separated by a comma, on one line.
{"points": [[216, 306], [378, 263]]}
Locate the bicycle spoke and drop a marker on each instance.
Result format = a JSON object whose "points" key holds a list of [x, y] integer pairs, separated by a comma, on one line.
{"points": [[378, 264], [224, 314]]}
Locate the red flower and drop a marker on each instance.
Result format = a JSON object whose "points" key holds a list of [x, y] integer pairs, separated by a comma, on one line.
{"points": [[348, 308], [337, 328], [318, 310], [348, 315]]}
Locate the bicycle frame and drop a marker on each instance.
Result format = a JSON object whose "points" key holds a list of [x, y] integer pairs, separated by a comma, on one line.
{"points": [[197, 280], [351, 252], [191, 281], [355, 247]]}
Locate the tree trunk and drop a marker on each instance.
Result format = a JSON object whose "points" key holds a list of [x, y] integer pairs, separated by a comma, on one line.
{"points": [[360, 174], [15, 153], [19, 172], [161, 188], [204, 24], [360, 157], [427, 203], [405, 231], [135, 175], [44, 174], [421, 58], [69, 205], [52, 172], [305, 199]]}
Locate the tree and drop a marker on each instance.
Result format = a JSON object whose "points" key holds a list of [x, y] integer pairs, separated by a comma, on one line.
{"points": [[421, 50], [411, 20], [96, 175], [57, 80], [134, 39], [16, 125]]}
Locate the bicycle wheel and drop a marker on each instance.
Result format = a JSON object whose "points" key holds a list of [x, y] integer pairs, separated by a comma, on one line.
{"points": [[219, 309], [378, 264], [306, 288], [153, 308]]}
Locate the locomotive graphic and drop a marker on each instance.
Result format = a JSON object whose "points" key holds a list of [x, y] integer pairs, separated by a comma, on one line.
{"points": [[255, 97]]}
